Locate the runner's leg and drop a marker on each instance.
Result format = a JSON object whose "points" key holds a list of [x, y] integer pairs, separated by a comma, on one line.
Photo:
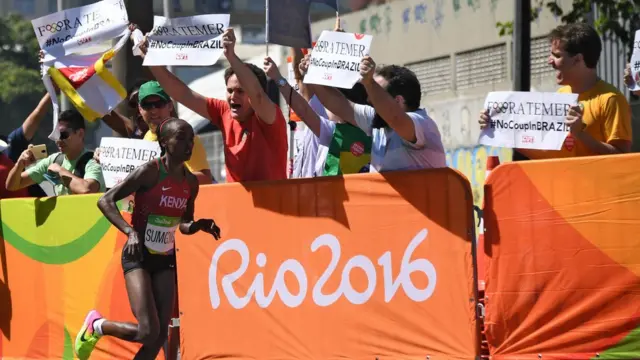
{"points": [[173, 344], [163, 283], [140, 291], [141, 299]]}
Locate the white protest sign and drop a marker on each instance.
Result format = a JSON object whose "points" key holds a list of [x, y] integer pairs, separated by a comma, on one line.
{"points": [[635, 63], [335, 60], [186, 41], [527, 120], [72, 30], [120, 156]]}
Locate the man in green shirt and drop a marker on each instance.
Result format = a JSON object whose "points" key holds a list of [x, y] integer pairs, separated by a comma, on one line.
{"points": [[72, 170]]}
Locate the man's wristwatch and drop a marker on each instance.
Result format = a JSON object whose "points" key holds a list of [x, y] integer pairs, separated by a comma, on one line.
{"points": [[281, 82], [128, 230]]}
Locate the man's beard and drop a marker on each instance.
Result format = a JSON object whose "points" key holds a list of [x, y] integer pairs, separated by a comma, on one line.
{"points": [[379, 123]]}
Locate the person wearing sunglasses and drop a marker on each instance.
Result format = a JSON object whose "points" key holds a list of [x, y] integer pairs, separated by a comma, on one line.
{"points": [[72, 170], [155, 106]]}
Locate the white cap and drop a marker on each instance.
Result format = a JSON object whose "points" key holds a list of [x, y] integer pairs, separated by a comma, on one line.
{"points": [[3, 146]]}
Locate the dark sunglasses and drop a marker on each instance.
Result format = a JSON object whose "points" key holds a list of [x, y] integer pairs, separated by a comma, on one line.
{"points": [[148, 105], [64, 135]]}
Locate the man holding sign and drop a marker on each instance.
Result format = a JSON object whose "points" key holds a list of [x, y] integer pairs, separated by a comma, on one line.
{"points": [[601, 123], [253, 127], [404, 137]]}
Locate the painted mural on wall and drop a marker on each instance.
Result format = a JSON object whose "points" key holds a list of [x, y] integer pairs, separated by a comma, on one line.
{"points": [[472, 162]]}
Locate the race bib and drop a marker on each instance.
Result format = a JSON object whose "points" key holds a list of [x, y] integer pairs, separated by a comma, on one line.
{"points": [[159, 237]]}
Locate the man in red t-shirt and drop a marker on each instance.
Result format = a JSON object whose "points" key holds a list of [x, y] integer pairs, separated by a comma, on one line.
{"points": [[5, 166], [253, 127]]}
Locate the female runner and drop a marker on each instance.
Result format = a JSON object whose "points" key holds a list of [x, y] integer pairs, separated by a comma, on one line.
{"points": [[165, 192]]}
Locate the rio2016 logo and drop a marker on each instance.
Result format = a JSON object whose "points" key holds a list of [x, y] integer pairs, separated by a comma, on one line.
{"points": [[319, 297]]}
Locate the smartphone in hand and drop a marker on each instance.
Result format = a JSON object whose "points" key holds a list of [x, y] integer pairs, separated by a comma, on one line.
{"points": [[39, 151]]}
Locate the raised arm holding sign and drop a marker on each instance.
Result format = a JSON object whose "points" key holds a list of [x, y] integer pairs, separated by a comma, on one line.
{"points": [[260, 102], [603, 123]]}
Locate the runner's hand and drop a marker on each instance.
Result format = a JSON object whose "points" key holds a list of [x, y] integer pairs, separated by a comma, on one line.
{"points": [[209, 226], [133, 247]]}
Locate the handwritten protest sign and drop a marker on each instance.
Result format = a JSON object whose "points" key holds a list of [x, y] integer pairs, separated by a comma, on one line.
{"points": [[186, 41], [335, 60], [635, 63], [120, 156], [69, 31], [527, 120]]}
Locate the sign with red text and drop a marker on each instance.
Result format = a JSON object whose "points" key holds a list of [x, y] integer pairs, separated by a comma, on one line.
{"points": [[72, 30], [186, 41], [358, 267], [527, 120], [335, 59], [120, 156]]}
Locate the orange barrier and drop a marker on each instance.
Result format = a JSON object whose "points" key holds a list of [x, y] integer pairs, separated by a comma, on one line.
{"points": [[563, 280], [59, 259], [358, 267]]}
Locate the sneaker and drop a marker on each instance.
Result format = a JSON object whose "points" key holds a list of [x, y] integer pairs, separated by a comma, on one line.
{"points": [[87, 338]]}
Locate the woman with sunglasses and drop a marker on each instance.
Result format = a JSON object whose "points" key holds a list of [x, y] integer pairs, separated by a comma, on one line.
{"points": [[165, 193]]}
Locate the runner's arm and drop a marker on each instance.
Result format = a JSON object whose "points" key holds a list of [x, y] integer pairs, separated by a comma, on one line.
{"points": [[188, 226], [140, 178]]}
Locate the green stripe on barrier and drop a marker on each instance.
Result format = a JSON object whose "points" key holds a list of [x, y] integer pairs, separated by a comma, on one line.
{"points": [[61, 254]]}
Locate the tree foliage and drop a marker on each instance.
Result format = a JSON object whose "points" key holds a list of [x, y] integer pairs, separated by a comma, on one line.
{"points": [[612, 18], [21, 86]]}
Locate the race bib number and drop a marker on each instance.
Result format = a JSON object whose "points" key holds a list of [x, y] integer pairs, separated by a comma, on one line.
{"points": [[159, 237]]}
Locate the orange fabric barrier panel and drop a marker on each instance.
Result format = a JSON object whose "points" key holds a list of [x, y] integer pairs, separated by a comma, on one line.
{"points": [[59, 258], [563, 275], [358, 267]]}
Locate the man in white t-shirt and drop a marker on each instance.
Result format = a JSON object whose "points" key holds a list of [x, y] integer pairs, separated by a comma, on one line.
{"points": [[404, 136], [309, 151]]}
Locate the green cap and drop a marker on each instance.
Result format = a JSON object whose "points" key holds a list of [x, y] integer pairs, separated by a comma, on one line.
{"points": [[151, 88]]}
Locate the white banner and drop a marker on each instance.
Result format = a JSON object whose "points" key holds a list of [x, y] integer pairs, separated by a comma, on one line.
{"points": [[69, 31], [120, 156], [186, 41], [335, 60], [527, 120], [635, 63]]}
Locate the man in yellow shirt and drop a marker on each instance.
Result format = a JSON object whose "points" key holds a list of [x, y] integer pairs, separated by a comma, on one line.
{"points": [[155, 106], [601, 122]]}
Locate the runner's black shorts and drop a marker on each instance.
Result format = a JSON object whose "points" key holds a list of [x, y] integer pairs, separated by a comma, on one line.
{"points": [[153, 263]]}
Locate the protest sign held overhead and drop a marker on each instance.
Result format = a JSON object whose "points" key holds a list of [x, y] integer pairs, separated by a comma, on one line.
{"points": [[335, 60], [72, 30], [186, 41], [120, 156], [635, 63], [527, 120]]}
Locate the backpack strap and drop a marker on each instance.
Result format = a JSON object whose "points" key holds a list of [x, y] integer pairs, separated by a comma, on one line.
{"points": [[82, 164], [59, 159]]}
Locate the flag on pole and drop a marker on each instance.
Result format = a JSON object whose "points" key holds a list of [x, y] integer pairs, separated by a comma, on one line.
{"points": [[86, 81], [288, 23]]}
